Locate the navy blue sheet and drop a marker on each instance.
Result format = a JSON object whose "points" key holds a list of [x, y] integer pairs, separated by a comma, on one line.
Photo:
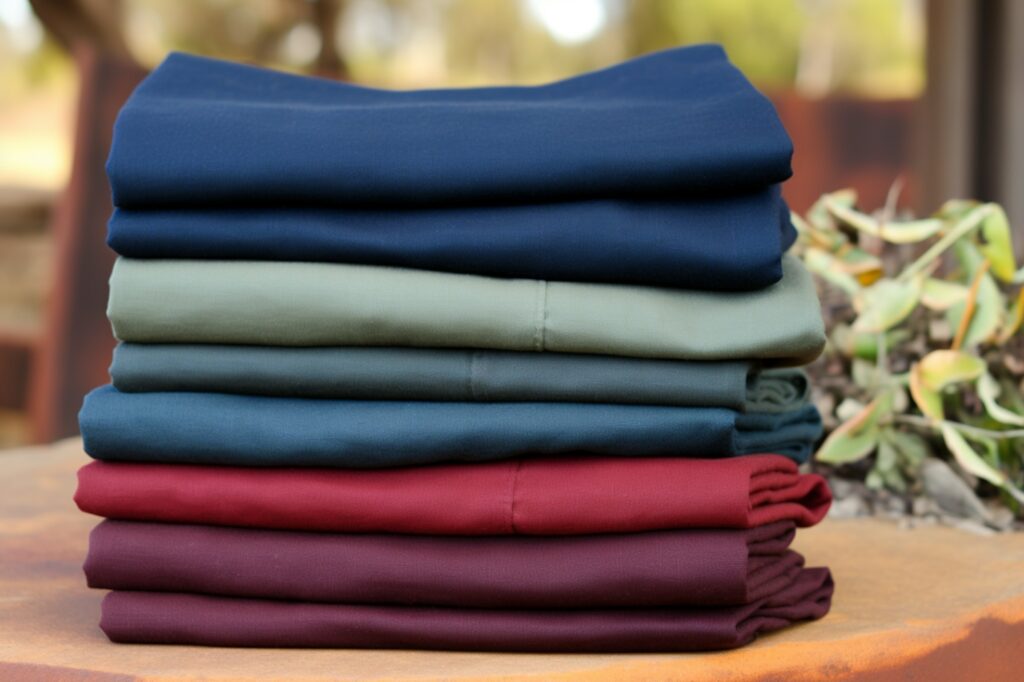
{"points": [[730, 244], [237, 430], [680, 122]]}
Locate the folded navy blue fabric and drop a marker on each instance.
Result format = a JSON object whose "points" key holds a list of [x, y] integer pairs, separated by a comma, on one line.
{"points": [[680, 122], [218, 428], [719, 244]]}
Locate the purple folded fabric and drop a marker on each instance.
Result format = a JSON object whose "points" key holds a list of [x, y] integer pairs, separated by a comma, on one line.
{"points": [[662, 568], [173, 618]]}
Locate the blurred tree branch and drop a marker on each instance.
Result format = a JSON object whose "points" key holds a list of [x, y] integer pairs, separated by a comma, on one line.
{"points": [[329, 62], [73, 23]]}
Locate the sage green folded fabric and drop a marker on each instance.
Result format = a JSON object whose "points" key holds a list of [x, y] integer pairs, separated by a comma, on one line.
{"points": [[325, 304], [448, 374]]}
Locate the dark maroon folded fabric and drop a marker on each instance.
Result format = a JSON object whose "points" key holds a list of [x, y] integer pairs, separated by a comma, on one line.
{"points": [[661, 568], [175, 618], [543, 496]]}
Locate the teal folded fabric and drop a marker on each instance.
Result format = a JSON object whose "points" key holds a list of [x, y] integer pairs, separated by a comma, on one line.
{"points": [[324, 304], [367, 373], [777, 390], [237, 430]]}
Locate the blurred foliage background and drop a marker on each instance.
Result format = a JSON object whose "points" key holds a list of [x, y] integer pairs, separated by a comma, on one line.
{"points": [[817, 48], [922, 383]]}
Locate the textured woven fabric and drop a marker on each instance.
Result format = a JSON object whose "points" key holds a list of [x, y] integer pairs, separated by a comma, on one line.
{"points": [[175, 618], [658, 568], [366, 373], [331, 296], [317, 304], [220, 428], [565, 496], [683, 121]]}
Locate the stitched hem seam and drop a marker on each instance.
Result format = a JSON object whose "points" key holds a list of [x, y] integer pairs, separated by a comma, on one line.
{"points": [[471, 380], [540, 315], [512, 504]]}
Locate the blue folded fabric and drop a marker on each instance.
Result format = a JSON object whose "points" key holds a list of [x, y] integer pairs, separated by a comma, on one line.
{"points": [[681, 122], [718, 244], [445, 374], [452, 374], [219, 428]]}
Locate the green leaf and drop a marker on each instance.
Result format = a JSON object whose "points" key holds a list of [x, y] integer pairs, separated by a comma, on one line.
{"points": [[927, 399], [844, 197], [988, 391], [867, 375], [955, 209], [951, 238], [888, 460], [1013, 320], [911, 231], [848, 409], [857, 437], [887, 457], [894, 480], [863, 345], [850, 216], [859, 263], [842, 447], [825, 266], [1013, 399], [966, 251], [938, 294], [885, 304], [900, 400], [823, 237], [912, 448], [942, 368], [874, 480], [986, 307], [998, 246], [987, 316], [818, 214], [971, 461]]}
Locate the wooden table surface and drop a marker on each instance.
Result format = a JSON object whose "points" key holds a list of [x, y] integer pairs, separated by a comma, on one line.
{"points": [[923, 604]]}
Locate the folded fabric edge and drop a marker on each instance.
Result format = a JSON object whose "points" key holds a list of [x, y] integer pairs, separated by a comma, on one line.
{"points": [[779, 493], [142, 617]]}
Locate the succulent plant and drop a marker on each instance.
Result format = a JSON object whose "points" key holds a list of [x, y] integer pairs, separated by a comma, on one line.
{"points": [[924, 351]]}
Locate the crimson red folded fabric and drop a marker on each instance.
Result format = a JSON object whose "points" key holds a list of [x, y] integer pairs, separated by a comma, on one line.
{"points": [[557, 496], [659, 568], [177, 618]]}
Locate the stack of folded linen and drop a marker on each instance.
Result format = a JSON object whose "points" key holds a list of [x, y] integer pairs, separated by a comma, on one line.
{"points": [[484, 369]]}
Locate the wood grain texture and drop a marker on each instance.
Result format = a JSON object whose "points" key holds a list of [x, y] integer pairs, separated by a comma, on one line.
{"points": [[931, 604]]}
